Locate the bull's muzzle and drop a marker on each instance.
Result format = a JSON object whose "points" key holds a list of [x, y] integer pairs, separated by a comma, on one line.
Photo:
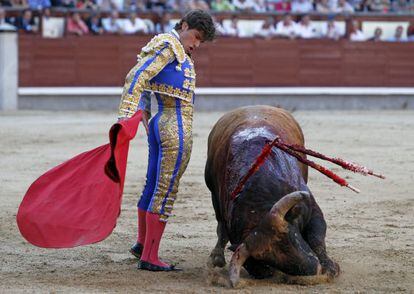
{"points": [[277, 213]]}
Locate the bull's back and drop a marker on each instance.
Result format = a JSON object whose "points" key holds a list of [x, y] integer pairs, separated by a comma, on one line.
{"points": [[277, 120]]}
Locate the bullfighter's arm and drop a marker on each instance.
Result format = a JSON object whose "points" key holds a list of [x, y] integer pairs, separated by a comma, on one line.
{"points": [[134, 96]]}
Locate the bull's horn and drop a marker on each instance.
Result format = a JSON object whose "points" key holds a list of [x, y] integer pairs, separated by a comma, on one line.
{"points": [[237, 261], [281, 207]]}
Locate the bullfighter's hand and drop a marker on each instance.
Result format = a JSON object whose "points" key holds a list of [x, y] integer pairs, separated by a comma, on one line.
{"points": [[144, 119]]}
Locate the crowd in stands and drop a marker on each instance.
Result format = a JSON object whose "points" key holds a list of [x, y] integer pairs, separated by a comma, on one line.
{"points": [[305, 29], [294, 6], [77, 22]]}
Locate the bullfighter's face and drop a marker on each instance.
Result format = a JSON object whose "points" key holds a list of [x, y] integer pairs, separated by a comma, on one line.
{"points": [[190, 38]]}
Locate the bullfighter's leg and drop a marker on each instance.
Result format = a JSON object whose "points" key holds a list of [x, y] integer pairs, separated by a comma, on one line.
{"points": [[173, 135], [145, 198], [217, 254], [314, 234]]}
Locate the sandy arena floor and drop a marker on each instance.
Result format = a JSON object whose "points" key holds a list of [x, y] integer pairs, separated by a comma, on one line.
{"points": [[371, 235]]}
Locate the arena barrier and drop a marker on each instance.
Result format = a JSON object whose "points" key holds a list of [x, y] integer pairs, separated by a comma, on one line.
{"points": [[221, 99]]}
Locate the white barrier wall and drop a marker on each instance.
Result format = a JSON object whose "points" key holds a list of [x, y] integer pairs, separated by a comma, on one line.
{"points": [[8, 70]]}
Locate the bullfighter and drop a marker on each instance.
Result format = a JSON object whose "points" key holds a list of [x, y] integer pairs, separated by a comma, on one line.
{"points": [[165, 68]]}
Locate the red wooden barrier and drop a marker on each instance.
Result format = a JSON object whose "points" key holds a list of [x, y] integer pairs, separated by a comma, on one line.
{"points": [[105, 60]]}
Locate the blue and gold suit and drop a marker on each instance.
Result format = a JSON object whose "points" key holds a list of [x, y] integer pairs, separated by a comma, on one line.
{"points": [[164, 68]]}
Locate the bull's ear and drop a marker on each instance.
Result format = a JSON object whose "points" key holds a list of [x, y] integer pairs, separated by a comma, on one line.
{"points": [[281, 207]]}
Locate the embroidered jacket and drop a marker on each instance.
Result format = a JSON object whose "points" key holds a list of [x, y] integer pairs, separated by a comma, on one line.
{"points": [[162, 67]]}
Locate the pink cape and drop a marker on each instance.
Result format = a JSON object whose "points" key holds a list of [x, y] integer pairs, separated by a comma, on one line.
{"points": [[78, 202]]}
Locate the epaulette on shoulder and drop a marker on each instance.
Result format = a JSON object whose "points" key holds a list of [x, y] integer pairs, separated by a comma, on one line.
{"points": [[163, 39]]}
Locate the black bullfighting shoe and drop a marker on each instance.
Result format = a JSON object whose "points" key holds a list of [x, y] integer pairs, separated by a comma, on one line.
{"points": [[136, 250], [144, 265]]}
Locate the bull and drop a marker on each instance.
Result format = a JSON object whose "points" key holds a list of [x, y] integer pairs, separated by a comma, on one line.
{"points": [[274, 224]]}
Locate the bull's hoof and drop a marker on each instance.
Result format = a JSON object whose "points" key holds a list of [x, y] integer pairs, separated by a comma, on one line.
{"points": [[331, 269], [234, 282], [217, 259]]}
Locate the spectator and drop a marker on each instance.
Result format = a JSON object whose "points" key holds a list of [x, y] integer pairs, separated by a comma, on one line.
{"points": [[112, 24], [165, 25], [267, 30], [410, 32], [331, 30], [323, 7], [95, 25], [5, 3], [105, 5], [286, 28], [201, 4], [155, 4], [282, 6], [19, 3], [134, 25], [52, 27], [76, 26], [172, 5], [117, 4], [219, 27], [65, 3], [355, 33], [302, 6], [86, 4], [39, 4], [259, 5], [379, 5], [400, 6], [221, 5], [398, 35], [333, 4], [377, 35], [135, 5], [244, 5], [357, 4], [305, 29], [232, 28], [25, 22], [344, 7], [4, 24]]}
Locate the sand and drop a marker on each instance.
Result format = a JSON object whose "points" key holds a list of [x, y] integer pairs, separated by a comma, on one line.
{"points": [[371, 235]]}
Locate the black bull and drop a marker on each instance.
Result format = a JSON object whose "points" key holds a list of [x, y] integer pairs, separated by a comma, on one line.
{"points": [[275, 222]]}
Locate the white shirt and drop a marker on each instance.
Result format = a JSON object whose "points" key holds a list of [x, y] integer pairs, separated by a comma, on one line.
{"points": [[166, 28], [112, 27], [287, 31], [302, 7], [268, 32], [119, 4], [132, 28], [357, 36], [6, 26], [259, 6], [394, 39], [346, 8], [306, 32], [229, 30], [175, 33], [53, 27], [331, 33]]}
